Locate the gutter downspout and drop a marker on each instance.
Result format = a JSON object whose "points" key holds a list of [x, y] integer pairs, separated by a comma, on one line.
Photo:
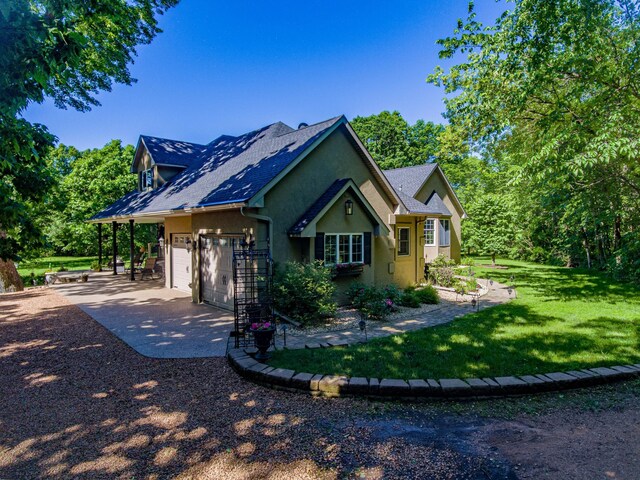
{"points": [[263, 218]]}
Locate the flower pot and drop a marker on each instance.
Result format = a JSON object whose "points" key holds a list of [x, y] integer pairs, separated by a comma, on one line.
{"points": [[262, 340]]}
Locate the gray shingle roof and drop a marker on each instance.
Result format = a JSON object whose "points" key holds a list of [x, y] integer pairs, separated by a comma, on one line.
{"points": [[228, 170], [436, 205], [172, 152], [408, 180], [318, 205]]}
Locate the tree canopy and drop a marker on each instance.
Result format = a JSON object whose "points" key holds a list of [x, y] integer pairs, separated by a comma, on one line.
{"points": [[549, 97], [393, 143], [69, 51]]}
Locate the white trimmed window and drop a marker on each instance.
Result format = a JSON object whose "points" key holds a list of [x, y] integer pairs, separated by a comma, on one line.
{"points": [[430, 232], [342, 248], [403, 241], [146, 179], [444, 233]]}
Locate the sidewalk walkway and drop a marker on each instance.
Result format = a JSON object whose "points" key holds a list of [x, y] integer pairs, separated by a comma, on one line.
{"points": [[447, 310]]}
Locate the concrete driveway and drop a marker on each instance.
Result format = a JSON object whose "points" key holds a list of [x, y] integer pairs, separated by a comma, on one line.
{"points": [[155, 321]]}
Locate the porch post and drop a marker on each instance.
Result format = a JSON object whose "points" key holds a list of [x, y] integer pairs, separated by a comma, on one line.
{"points": [[114, 228], [99, 247], [131, 251]]}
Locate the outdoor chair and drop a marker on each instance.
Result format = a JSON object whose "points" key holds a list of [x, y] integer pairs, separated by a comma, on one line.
{"points": [[148, 268]]}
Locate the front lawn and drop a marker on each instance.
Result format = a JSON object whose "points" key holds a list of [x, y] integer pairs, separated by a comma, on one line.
{"points": [[39, 266], [563, 319]]}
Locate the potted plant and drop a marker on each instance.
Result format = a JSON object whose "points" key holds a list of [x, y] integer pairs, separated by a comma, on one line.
{"points": [[262, 337]]}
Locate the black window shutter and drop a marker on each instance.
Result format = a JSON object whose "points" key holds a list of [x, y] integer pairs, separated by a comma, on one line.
{"points": [[367, 248], [319, 249]]}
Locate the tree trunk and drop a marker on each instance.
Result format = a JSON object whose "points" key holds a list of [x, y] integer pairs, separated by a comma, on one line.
{"points": [[585, 243], [617, 233], [10, 281], [493, 259]]}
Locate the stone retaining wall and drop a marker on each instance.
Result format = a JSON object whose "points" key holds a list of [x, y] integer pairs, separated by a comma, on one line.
{"points": [[335, 386]]}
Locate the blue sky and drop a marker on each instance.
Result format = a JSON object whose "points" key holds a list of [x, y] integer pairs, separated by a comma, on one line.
{"points": [[231, 67]]}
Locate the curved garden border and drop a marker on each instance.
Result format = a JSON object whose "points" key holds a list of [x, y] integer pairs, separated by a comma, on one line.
{"points": [[336, 386]]}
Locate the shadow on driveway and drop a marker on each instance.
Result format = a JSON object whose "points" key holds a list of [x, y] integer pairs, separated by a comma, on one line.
{"points": [[155, 321]]}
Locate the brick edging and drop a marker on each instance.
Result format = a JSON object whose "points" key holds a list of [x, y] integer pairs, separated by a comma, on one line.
{"points": [[336, 386]]}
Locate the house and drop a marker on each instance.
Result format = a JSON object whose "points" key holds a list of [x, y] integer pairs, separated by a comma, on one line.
{"points": [[308, 193]]}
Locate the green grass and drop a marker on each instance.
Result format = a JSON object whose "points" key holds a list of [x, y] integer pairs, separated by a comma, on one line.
{"points": [[563, 319], [39, 266]]}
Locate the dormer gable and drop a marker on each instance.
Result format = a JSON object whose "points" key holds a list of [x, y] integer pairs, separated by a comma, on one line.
{"points": [[158, 160]]}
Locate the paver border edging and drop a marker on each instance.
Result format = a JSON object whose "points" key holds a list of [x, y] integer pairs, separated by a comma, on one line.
{"points": [[452, 388]]}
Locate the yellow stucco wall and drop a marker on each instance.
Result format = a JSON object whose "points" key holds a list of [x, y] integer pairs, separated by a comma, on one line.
{"points": [[333, 159], [438, 183]]}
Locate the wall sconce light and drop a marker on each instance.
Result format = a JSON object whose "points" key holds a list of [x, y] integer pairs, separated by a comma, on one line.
{"points": [[348, 207]]}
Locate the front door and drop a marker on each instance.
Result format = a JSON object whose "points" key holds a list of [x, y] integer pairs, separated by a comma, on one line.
{"points": [[180, 262]]}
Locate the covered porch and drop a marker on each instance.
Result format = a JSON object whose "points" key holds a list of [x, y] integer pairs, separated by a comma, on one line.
{"points": [[108, 228]]}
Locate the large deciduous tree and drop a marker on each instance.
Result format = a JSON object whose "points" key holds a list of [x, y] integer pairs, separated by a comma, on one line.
{"points": [[95, 179], [393, 143], [552, 90], [68, 50]]}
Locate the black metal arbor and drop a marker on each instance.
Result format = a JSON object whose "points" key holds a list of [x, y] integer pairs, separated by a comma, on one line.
{"points": [[253, 287]]}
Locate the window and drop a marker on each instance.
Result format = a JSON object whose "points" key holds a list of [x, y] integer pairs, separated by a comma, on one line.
{"points": [[403, 241], [146, 179], [430, 232], [343, 248], [444, 233]]}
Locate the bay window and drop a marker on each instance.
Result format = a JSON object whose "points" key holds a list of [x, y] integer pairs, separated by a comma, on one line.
{"points": [[444, 235]]}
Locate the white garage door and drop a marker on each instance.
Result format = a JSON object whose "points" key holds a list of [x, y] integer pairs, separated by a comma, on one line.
{"points": [[180, 262], [216, 265]]}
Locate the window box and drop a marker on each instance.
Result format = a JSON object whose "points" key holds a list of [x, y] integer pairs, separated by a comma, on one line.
{"points": [[347, 269]]}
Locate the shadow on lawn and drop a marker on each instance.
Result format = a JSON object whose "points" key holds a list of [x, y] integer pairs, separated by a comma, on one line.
{"points": [[478, 345], [565, 284]]}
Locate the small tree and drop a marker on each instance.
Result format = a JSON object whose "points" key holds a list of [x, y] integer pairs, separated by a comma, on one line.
{"points": [[490, 229]]}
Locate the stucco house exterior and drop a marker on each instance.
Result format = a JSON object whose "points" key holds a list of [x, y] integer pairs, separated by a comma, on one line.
{"points": [[308, 193]]}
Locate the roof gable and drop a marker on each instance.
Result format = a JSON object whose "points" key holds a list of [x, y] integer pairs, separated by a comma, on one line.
{"points": [[170, 152], [305, 225], [408, 182]]}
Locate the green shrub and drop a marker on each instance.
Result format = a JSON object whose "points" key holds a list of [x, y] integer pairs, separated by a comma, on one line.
{"points": [[409, 299], [375, 303], [392, 292], [464, 286], [442, 271], [428, 295], [304, 291], [95, 266]]}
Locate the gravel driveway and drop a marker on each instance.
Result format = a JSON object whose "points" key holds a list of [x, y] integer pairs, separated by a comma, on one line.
{"points": [[77, 402]]}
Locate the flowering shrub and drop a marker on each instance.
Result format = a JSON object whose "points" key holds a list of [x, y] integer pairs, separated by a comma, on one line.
{"points": [[375, 303], [259, 326]]}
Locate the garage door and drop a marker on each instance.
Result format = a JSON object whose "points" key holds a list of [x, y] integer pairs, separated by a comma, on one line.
{"points": [[216, 264], [180, 262]]}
